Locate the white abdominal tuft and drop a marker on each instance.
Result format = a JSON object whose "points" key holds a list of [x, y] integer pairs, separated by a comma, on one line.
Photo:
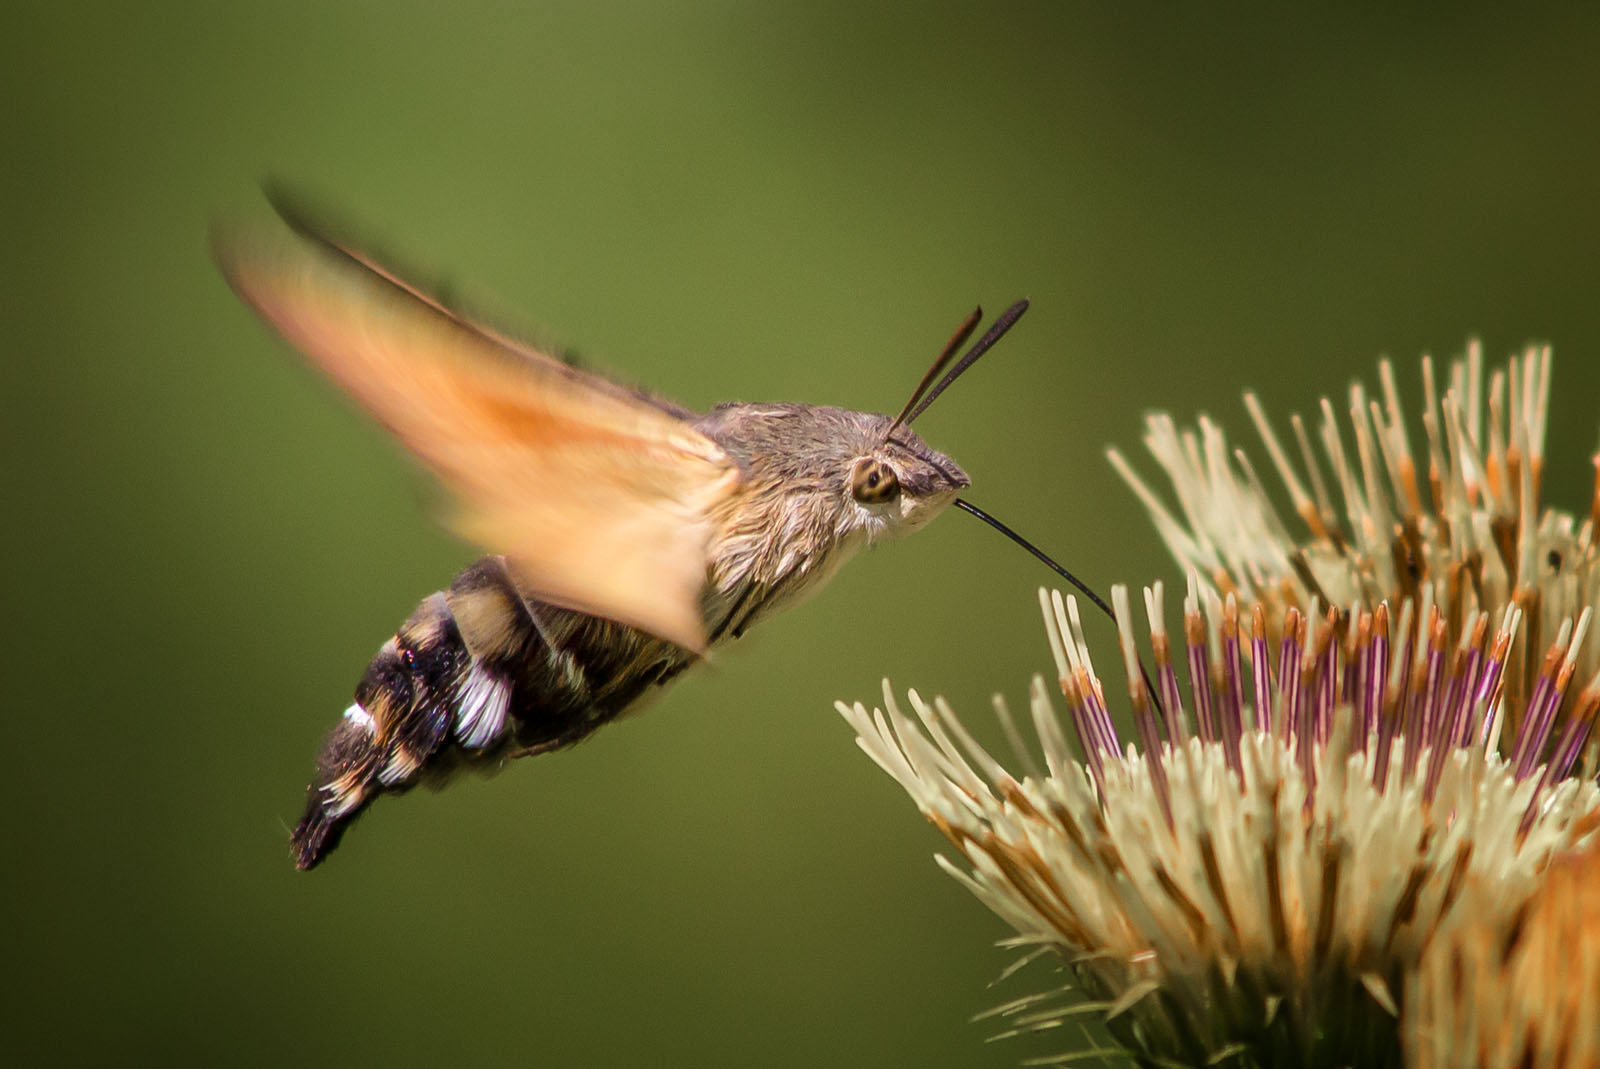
{"points": [[481, 708], [359, 716]]}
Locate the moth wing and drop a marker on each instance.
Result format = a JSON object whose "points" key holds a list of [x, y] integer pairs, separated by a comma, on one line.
{"points": [[603, 500]]}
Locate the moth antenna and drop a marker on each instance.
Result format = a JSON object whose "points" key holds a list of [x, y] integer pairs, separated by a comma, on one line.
{"points": [[968, 507], [996, 331], [963, 332]]}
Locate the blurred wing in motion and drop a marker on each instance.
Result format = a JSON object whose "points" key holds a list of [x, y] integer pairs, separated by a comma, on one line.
{"points": [[602, 499]]}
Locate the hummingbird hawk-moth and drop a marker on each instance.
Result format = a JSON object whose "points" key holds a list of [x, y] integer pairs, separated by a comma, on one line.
{"points": [[629, 535]]}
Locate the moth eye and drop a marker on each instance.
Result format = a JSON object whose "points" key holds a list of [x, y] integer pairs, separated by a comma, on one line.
{"points": [[873, 482]]}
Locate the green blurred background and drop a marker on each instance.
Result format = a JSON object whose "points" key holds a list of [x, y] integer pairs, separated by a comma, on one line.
{"points": [[204, 543]]}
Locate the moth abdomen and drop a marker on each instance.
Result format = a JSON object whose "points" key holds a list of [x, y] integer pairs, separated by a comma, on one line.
{"points": [[402, 715], [474, 671]]}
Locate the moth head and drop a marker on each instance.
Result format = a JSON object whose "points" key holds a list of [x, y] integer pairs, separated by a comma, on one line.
{"points": [[894, 484], [817, 477], [900, 484]]}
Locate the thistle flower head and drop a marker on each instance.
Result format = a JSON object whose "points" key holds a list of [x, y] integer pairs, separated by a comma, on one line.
{"points": [[1377, 748]]}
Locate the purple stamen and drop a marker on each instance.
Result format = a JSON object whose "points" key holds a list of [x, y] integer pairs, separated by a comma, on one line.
{"points": [[1540, 724], [1261, 670], [1289, 676], [1489, 685], [1172, 701], [1232, 687], [1566, 752], [1532, 731], [1199, 675], [1327, 688], [1572, 741], [1378, 673], [1419, 721], [1150, 739], [1462, 693], [1099, 718], [1360, 679], [1305, 741], [1080, 725]]}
